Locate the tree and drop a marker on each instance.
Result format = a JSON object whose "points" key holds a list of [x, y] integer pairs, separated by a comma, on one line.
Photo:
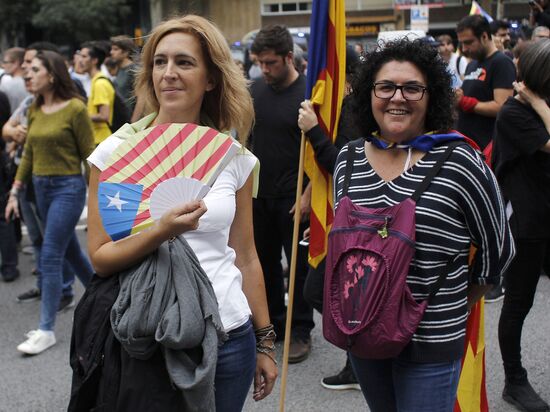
{"points": [[15, 15], [80, 19]]}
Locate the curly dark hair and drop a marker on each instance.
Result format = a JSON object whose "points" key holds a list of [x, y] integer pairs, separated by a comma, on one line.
{"points": [[439, 116]]}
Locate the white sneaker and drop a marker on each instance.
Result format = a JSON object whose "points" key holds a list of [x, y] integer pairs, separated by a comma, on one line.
{"points": [[38, 341]]}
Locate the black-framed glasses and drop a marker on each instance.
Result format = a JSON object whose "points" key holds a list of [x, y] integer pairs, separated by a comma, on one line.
{"points": [[386, 90]]}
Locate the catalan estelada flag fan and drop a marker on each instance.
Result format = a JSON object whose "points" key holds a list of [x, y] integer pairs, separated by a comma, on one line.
{"points": [[152, 156], [476, 9], [325, 88]]}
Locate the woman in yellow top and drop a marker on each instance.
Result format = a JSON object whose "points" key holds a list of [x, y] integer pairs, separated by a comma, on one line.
{"points": [[59, 138]]}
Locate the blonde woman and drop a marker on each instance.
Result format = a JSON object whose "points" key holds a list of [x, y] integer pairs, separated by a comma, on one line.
{"points": [[188, 76]]}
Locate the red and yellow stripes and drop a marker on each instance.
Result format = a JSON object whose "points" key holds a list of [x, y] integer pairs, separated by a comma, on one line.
{"points": [[166, 151], [326, 74], [471, 395]]}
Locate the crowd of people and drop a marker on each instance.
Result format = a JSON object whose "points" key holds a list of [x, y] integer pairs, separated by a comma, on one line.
{"points": [[465, 134]]}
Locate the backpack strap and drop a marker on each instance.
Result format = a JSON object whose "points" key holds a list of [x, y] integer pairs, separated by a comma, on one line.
{"points": [[435, 169], [350, 158], [416, 195]]}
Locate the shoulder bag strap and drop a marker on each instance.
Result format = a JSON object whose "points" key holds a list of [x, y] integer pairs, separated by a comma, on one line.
{"points": [[416, 195], [350, 158]]}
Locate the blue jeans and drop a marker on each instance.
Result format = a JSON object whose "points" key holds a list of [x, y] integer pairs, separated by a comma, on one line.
{"points": [[395, 385], [235, 369], [60, 200], [34, 228]]}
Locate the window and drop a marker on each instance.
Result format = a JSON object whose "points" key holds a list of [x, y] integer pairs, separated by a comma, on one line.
{"points": [[287, 7]]}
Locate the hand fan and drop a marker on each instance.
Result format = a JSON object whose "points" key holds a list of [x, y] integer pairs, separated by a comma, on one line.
{"points": [[150, 157], [174, 192]]}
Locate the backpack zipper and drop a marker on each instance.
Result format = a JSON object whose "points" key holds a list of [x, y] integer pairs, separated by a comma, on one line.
{"points": [[371, 229]]}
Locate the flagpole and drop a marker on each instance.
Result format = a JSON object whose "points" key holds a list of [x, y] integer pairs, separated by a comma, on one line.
{"points": [[292, 271]]}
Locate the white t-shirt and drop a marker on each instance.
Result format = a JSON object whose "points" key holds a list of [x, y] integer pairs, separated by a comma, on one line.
{"points": [[15, 89], [457, 70], [209, 241]]}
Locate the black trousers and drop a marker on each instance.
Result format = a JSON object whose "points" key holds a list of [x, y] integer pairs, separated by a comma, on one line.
{"points": [[273, 227], [315, 286], [521, 281]]}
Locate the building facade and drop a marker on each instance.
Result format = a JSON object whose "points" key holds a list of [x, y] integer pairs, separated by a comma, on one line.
{"points": [[364, 18]]}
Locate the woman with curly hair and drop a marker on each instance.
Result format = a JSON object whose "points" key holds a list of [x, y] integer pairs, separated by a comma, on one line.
{"points": [[403, 104]]}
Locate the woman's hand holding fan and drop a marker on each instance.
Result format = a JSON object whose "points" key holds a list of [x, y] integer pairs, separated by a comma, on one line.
{"points": [[178, 162]]}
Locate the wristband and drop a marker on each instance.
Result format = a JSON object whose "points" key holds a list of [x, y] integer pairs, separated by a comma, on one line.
{"points": [[467, 104], [14, 191]]}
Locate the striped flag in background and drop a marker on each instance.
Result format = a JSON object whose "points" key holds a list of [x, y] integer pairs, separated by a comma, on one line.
{"points": [[477, 9], [325, 88]]}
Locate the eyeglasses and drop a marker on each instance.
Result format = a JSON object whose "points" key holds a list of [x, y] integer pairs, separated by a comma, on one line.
{"points": [[411, 92]]}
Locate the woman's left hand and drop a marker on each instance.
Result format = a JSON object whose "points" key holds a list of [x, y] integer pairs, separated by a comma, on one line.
{"points": [[265, 377], [527, 95]]}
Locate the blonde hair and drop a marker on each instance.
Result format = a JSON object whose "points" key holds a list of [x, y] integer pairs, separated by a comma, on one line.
{"points": [[228, 104]]}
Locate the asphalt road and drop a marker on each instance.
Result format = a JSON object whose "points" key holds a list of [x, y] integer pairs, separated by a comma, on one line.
{"points": [[42, 383]]}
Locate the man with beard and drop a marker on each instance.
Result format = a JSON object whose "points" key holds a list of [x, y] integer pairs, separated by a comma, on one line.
{"points": [[487, 83], [275, 140], [500, 29]]}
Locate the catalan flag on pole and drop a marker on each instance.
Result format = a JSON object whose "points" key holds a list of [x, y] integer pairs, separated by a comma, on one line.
{"points": [[471, 395], [476, 9], [325, 88]]}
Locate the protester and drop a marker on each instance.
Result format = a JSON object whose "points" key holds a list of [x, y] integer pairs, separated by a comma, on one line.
{"points": [[539, 13], [521, 160], [456, 63], [500, 31], [122, 52], [59, 138], [400, 94], [488, 80], [15, 132], [518, 50], [300, 59], [112, 68], [101, 99], [540, 33], [275, 140], [78, 72], [8, 247], [12, 83], [188, 75]]}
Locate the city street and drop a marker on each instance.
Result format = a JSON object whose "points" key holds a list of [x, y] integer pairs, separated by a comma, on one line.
{"points": [[42, 383]]}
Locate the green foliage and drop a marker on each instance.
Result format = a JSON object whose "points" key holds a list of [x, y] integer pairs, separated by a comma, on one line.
{"points": [[14, 15], [82, 19]]}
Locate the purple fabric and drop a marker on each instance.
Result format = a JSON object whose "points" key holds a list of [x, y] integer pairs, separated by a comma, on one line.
{"points": [[370, 310]]}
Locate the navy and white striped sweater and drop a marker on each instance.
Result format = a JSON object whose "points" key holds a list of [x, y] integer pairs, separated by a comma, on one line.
{"points": [[462, 205]]}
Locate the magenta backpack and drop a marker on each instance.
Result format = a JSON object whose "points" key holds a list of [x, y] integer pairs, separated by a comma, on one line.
{"points": [[368, 307]]}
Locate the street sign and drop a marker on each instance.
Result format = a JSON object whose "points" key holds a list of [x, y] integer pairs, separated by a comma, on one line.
{"points": [[420, 16]]}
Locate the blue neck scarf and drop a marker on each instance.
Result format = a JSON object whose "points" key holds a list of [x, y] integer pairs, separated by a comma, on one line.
{"points": [[424, 142]]}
